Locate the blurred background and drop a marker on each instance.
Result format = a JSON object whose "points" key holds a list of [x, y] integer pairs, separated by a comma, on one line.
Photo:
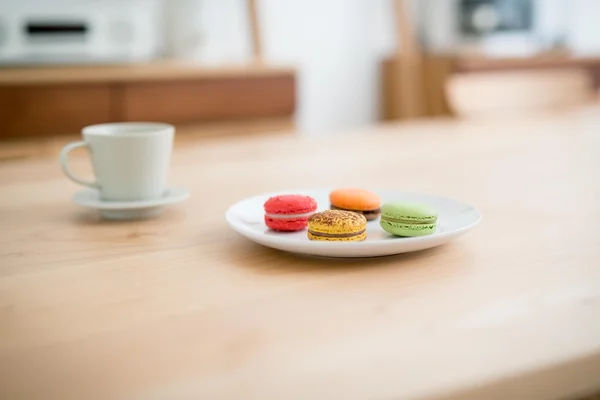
{"points": [[303, 66]]}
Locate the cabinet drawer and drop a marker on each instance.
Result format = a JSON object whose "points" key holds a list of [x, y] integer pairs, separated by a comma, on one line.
{"points": [[52, 109], [209, 99]]}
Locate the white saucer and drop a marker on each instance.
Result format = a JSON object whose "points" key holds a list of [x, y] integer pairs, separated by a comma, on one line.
{"points": [[455, 218], [125, 210]]}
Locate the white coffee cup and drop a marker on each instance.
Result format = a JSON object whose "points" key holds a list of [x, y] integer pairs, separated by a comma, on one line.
{"points": [[130, 160]]}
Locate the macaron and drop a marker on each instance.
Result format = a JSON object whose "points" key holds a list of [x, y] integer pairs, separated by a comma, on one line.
{"points": [[408, 219], [337, 226], [288, 213], [357, 200]]}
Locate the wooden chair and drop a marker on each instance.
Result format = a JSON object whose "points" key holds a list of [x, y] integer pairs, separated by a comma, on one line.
{"points": [[497, 94]]}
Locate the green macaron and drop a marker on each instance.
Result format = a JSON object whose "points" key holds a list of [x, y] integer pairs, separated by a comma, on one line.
{"points": [[408, 219]]}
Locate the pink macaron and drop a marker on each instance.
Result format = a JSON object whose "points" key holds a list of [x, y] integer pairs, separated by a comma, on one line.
{"points": [[289, 212]]}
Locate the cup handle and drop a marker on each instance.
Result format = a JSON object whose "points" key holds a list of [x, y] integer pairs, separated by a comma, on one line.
{"points": [[64, 162]]}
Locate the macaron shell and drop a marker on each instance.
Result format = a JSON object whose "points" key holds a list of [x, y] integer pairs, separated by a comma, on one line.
{"points": [[290, 225], [290, 204], [407, 230], [337, 222], [354, 199], [370, 216], [408, 219], [409, 211]]}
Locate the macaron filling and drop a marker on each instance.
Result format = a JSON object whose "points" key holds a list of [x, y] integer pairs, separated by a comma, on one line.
{"points": [[410, 221], [366, 212], [289, 216], [336, 235]]}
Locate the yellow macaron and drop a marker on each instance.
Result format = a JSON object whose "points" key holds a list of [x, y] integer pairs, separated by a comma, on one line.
{"points": [[337, 226]]}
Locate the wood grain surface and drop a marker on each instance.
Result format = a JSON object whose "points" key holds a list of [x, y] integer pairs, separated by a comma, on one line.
{"points": [[29, 111], [210, 100], [408, 82], [182, 307], [255, 32], [508, 93], [151, 71]]}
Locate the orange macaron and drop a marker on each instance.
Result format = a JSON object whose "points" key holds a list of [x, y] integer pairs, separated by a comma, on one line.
{"points": [[357, 200]]}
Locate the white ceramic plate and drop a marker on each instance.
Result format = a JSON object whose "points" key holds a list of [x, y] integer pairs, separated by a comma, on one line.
{"points": [[455, 218]]}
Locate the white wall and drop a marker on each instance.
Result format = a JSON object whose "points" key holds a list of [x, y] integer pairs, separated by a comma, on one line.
{"points": [[335, 44], [583, 27]]}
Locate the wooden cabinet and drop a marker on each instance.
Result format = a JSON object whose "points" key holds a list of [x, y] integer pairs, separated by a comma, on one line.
{"points": [[208, 100], [436, 69], [52, 109], [38, 102]]}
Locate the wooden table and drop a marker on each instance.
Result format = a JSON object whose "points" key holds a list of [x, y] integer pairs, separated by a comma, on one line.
{"points": [[182, 307]]}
